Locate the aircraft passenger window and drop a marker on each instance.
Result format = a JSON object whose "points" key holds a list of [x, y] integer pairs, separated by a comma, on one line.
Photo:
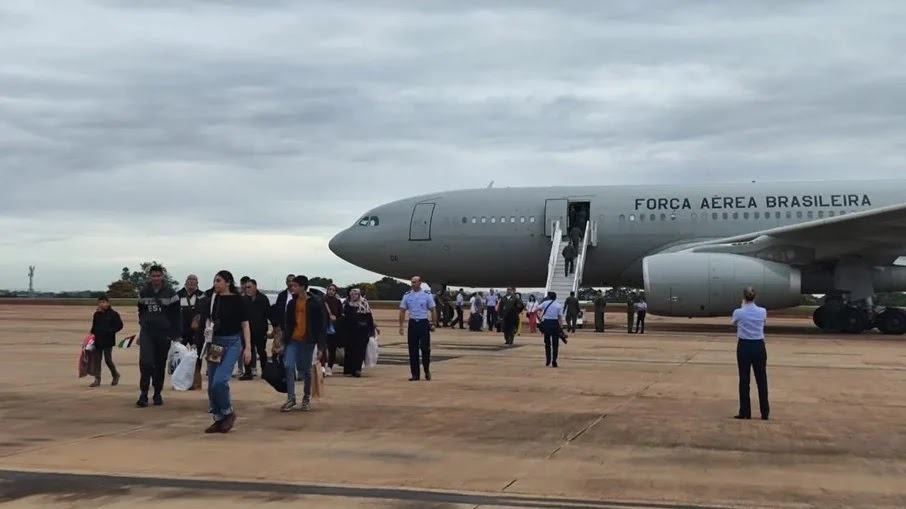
{"points": [[745, 215], [484, 220], [512, 219], [641, 217], [777, 215], [502, 220], [622, 217], [842, 212], [493, 220], [726, 216], [714, 216], [789, 214], [799, 214], [673, 217], [531, 219], [522, 219], [663, 217], [811, 214], [474, 219], [465, 220], [736, 215], [758, 215], [831, 213], [632, 217], [820, 214]]}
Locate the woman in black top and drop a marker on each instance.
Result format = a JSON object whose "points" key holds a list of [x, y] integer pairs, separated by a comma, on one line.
{"points": [[358, 328], [226, 326]]}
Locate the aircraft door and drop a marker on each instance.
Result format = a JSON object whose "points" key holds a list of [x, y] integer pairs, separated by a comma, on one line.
{"points": [[555, 210], [420, 227]]}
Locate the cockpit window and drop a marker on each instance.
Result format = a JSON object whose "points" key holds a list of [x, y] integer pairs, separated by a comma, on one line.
{"points": [[369, 221]]}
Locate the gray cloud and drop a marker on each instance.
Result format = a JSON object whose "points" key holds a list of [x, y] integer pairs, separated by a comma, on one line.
{"points": [[192, 118]]}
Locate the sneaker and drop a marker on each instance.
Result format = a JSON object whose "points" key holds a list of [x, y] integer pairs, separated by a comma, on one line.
{"points": [[288, 406], [247, 376], [158, 400], [96, 383], [306, 406], [142, 401], [227, 423], [328, 371]]}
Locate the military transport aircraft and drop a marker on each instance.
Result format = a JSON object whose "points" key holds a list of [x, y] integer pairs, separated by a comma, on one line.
{"points": [[692, 247]]}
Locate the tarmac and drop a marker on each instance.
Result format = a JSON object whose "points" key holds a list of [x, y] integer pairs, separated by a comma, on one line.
{"points": [[626, 421]]}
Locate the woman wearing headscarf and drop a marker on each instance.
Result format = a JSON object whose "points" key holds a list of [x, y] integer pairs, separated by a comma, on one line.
{"points": [[334, 334], [358, 328]]}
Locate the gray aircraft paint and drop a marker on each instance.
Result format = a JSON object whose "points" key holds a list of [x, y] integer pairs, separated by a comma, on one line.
{"points": [[434, 235]]}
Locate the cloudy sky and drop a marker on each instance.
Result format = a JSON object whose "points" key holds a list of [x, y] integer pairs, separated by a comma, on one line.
{"points": [[235, 134]]}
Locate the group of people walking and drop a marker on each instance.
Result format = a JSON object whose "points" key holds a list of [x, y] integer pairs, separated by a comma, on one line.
{"points": [[228, 326]]}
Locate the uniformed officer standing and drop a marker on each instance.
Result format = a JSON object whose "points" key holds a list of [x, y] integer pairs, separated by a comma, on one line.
{"points": [[751, 354], [422, 314], [571, 306], [600, 305]]}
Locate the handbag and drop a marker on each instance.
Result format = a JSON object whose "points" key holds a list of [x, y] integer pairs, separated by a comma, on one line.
{"points": [[212, 353]]}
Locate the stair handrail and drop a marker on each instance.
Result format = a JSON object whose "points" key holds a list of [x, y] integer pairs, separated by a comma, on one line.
{"points": [[580, 261], [556, 238]]}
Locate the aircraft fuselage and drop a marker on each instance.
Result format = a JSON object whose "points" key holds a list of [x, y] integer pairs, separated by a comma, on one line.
{"points": [[501, 237]]}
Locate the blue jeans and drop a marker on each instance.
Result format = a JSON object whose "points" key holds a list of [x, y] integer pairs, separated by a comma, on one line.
{"points": [[219, 374], [298, 354]]}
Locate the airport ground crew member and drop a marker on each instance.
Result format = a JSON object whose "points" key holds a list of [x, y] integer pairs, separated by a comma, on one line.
{"points": [[641, 311], [751, 354], [422, 314]]}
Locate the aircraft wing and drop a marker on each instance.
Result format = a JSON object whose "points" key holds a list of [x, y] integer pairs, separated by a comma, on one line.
{"points": [[878, 235]]}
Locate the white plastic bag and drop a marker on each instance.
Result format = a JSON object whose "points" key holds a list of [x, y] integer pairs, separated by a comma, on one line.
{"points": [[371, 353], [89, 346], [183, 376], [175, 356]]}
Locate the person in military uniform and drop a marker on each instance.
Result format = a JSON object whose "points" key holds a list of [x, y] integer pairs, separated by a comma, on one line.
{"points": [[630, 311], [569, 257], [422, 315], [600, 304], [446, 309], [571, 307], [510, 309]]}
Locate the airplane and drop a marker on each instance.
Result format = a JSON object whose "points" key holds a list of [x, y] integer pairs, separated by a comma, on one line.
{"points": [[693, 247]]}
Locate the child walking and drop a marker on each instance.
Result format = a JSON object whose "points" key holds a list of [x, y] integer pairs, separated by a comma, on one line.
{"points": [[104, 326]]}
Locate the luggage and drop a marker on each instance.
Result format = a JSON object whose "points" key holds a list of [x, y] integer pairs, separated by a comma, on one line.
{"points": [[371, 353], [475, 322], [275, 373]]}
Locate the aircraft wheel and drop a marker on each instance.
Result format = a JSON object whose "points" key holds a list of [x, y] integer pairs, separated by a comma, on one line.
{"points": [[892, 321], [853, 320], [825, 319]]}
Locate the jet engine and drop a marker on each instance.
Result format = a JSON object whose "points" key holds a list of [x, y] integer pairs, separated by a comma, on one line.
{"points": [[711, 284]]}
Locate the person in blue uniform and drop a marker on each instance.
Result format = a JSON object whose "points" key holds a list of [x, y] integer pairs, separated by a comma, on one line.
{"points": [[422, 313], [751, 353]]}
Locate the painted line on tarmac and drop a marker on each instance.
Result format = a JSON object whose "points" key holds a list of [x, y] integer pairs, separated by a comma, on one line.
{"points": [[21, 484]]}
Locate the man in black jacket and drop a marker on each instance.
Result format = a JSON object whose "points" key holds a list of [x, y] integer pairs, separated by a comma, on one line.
{"points": [[278, 310], [189, 298], [161, 321], [259, 309], [104, 326]]}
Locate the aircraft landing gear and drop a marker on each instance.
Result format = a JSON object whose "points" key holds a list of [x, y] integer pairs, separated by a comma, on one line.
{"points": [[837, 316], [892, 321]]}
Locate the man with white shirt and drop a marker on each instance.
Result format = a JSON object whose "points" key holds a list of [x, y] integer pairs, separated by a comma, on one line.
{"points": [[751, 354], [460, 302], [492, 310]]}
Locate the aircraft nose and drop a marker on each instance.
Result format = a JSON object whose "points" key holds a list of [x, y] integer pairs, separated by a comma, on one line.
{"points": [[337, 244]]}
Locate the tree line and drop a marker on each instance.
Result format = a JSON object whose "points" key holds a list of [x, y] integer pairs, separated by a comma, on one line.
{"points": [[386, 288]]}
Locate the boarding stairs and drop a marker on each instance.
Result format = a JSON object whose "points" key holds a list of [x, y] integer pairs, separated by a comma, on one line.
{"points": [[557, 279]]}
